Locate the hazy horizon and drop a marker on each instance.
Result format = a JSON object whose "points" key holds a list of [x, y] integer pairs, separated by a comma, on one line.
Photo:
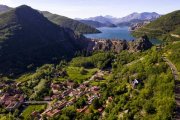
{"points": [[86, 9]]}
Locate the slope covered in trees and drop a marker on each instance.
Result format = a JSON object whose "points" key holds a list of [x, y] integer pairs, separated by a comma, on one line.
{"points": [[70, 23], [97, 24], [28, 38], [162, 27]]}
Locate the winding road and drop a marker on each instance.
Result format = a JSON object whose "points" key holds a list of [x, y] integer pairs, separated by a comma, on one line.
{"points": [[177, 87]]}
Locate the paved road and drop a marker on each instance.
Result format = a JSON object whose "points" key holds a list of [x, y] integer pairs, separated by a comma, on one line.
{"points": [[177, 87], [36, 102]]}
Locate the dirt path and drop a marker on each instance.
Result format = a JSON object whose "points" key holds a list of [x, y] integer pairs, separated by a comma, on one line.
{"points": [[135, 61], [177, 87], [175, 35]]}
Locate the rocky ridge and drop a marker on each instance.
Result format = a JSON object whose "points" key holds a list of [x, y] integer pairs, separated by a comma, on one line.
{"points": [[113, 45]]}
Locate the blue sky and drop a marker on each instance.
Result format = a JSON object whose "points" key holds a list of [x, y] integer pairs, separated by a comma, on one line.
{"points": [[90, 8]]}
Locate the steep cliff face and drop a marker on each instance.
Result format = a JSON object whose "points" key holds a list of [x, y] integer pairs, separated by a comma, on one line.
{"points": [[139, 44], [110, 45]]}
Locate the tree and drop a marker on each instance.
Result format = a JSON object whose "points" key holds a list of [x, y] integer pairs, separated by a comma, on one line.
{"points": [[81, 102], [96, 103]]}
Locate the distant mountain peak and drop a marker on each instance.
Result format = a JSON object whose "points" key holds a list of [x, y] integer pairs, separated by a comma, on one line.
{"points": [[109, 16], [4, 8], [130, 17], [23, 6]]}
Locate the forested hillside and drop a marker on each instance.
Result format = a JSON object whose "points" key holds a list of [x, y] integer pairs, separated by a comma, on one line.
{"points": [[29, 39], [70, 23], [162, 27]]}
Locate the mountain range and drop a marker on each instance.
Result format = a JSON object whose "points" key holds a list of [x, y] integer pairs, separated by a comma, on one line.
{"points": [[29, 38], [97, 24], [70, 23], [127, 20], [62, 21], [88, 25], [139, 16]]}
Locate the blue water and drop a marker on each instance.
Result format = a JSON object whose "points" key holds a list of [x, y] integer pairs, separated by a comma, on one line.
{"points": [[112, 33], [117, 33]]}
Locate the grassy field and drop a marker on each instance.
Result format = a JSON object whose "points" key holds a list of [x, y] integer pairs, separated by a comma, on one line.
{"points": [[75, 73], [27, 112], [25, 77]]}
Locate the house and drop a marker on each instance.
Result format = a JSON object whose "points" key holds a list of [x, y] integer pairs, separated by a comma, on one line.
{"points": [[35, 114], [81, 94], [19, 97], [82, 87], [53, 112], [95, 88], [66, 93], [4, 98], [13, 105], [100, 110], [62, 105], [134, 83], [2, 85], [91, 98], [11, 102], [47, 98], [83, 109], [110, 99], [71, 101], [56, 88], [70, 84], [74, 93], [58, 97], [99, 78]]}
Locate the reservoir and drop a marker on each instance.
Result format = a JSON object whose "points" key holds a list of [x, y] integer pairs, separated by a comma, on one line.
{"points": [[121, 33], [112, 33]]}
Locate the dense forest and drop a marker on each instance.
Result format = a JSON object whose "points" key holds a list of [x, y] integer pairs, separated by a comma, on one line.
{"points": [[75, 25]]}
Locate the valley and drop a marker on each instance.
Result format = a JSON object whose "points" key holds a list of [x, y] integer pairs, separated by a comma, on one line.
{"points": [[56, 68]]}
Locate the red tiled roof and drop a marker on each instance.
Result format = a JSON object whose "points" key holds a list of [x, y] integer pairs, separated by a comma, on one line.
{"points": [[52, 113]]}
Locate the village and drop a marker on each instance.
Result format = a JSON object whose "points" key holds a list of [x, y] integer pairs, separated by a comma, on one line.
{"points": [[64, 94]]}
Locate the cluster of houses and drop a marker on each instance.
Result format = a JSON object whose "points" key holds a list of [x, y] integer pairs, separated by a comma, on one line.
{"points": [[10, 97], [63, 94], [11, 102], [71, 91]]}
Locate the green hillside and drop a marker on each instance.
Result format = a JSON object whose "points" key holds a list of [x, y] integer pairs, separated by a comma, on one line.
{"points": [[70, 23], [162, 27], [28, 39]]}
